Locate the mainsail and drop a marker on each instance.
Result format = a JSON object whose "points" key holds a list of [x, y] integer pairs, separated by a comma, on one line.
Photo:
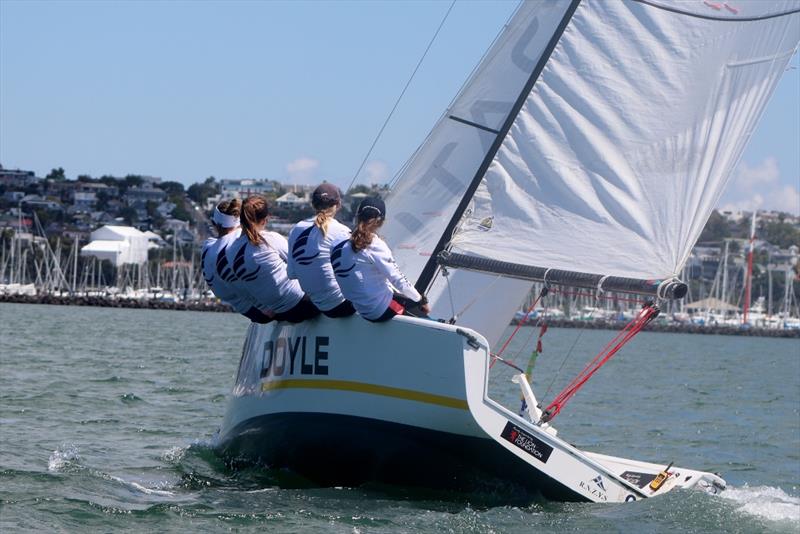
{"points": [[594, 137]]}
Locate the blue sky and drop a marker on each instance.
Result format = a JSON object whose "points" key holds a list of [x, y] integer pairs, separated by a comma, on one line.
{"points": [[292, 91]]}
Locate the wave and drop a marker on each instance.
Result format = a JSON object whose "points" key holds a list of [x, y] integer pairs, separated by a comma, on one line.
{"points": [[765, 502], [64, 458]]}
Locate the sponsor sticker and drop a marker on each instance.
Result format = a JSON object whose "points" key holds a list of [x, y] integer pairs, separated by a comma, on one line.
{"points": [[596, 488], [527, 442], [638, 479]]}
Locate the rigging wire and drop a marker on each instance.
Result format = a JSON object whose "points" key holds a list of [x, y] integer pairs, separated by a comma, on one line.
{"points": [[476, 297], [542, 294], [405, 165], [567, 357], [646, 315], [403, 92]]}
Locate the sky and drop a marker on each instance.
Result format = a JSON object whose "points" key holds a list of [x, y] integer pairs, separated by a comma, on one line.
{"points": [[289, 91]]}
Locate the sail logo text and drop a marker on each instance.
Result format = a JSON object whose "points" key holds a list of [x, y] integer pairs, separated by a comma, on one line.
{"points": [[527, 442], [295, 356]]}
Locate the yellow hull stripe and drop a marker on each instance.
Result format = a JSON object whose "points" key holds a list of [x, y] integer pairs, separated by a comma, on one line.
{"points": [[371, 389]]}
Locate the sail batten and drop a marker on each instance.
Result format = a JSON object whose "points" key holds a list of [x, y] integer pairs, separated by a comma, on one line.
{"points": [[425, 278], [625, 143]]}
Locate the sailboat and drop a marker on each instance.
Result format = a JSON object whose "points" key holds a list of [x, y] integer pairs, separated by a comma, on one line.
{"points": [[587, 149]]}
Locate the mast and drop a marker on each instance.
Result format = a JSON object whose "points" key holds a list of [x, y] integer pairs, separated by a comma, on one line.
{"points": [[749, 275], [428, 272], [75, 265], [725, 274]]}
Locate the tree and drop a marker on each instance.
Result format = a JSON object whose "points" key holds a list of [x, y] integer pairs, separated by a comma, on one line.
{"points": [[85, 178], [201, 191], [780, 234], [171, 188], [152, 207], [109, 180], [128, 214], [716, 229], [133, 180], [56, 174], [102, 200], [180, 211]]}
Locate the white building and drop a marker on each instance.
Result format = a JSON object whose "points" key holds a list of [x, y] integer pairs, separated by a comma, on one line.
{"points": [[293, 200], [244, 188], [118, 244]]}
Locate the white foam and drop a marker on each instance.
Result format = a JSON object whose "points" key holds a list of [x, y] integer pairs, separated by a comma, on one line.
{"points": [[150, 491], [139, 487], [62, 457], [174, 455], [767, 502]]}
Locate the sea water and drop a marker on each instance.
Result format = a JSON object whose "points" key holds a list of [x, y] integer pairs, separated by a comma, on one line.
{"points": [[107, 416]]}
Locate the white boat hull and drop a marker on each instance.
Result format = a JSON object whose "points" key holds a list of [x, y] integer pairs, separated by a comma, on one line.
{"points": [[343, 402]]}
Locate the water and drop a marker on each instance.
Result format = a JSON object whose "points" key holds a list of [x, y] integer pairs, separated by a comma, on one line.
{"points": [[106, 417]]}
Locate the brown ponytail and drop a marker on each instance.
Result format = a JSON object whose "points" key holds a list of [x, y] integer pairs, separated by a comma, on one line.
{"points": [[362, 236], [254, 210]]}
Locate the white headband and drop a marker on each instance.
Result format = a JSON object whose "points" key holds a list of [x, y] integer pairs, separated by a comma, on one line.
{"points": [[225, 221]]}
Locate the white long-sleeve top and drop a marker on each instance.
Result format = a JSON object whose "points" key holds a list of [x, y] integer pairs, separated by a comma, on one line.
{"points": [[259, 272], [216, 271], [369, 277], [310, 261]]}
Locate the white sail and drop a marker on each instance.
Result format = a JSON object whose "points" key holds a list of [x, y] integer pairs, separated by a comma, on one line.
{"points": [[629, 135], [637, 113], [423, 200]]}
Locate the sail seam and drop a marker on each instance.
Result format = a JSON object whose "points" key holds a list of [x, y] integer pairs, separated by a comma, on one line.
{"points": [[474, 124], [712, 17], [426, 277]]}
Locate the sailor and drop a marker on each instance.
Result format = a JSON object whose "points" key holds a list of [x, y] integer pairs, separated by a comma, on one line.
{"points": [[216, 269], [367, 273], [310, 243], [258, 260]]}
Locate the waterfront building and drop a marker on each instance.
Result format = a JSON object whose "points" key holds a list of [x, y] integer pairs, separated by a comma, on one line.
{"points": [[293, 200], [118, 244], [245, 187]]}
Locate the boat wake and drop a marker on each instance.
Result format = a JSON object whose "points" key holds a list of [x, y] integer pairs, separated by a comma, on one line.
{"points": [[765, 502], [67, 459]]}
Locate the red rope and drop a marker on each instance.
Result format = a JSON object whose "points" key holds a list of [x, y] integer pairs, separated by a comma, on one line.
{"points": [[519, 325], [647, 314]]}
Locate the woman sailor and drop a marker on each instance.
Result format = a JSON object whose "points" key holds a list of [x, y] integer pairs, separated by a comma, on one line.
{"points": [[310, 243], [216, 269], [258, 261], [367, 273]]}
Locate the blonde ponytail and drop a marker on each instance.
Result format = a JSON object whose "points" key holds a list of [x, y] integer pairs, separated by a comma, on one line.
{"points": [[323, 219]]}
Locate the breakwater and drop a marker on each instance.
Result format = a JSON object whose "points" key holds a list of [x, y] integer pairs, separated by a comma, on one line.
{"points": [[677, 328], [114, 302], [216, 306]]}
